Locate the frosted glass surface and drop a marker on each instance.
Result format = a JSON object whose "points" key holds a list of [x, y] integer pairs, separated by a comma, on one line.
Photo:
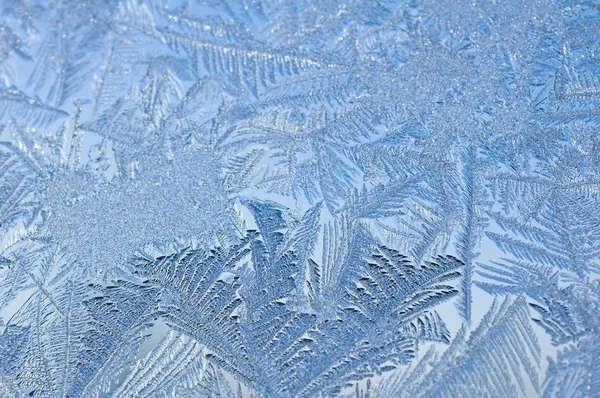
{"points": [[299, 198]]}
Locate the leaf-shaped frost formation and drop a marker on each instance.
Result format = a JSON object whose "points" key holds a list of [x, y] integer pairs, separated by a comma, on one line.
{"points": [[299, 198]]}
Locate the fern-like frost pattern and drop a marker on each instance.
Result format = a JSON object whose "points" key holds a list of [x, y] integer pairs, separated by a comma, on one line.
{"points": [[299, 198]]}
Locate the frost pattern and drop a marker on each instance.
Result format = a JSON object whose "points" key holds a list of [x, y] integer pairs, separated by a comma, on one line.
{"points": [[297, 198]]}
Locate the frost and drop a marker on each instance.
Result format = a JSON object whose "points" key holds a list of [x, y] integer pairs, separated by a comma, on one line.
{"points": [[160, 204], [297, 198]]}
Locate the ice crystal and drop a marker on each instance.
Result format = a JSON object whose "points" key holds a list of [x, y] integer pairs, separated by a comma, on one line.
{"points": [[167, 199], [298, 198]]}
